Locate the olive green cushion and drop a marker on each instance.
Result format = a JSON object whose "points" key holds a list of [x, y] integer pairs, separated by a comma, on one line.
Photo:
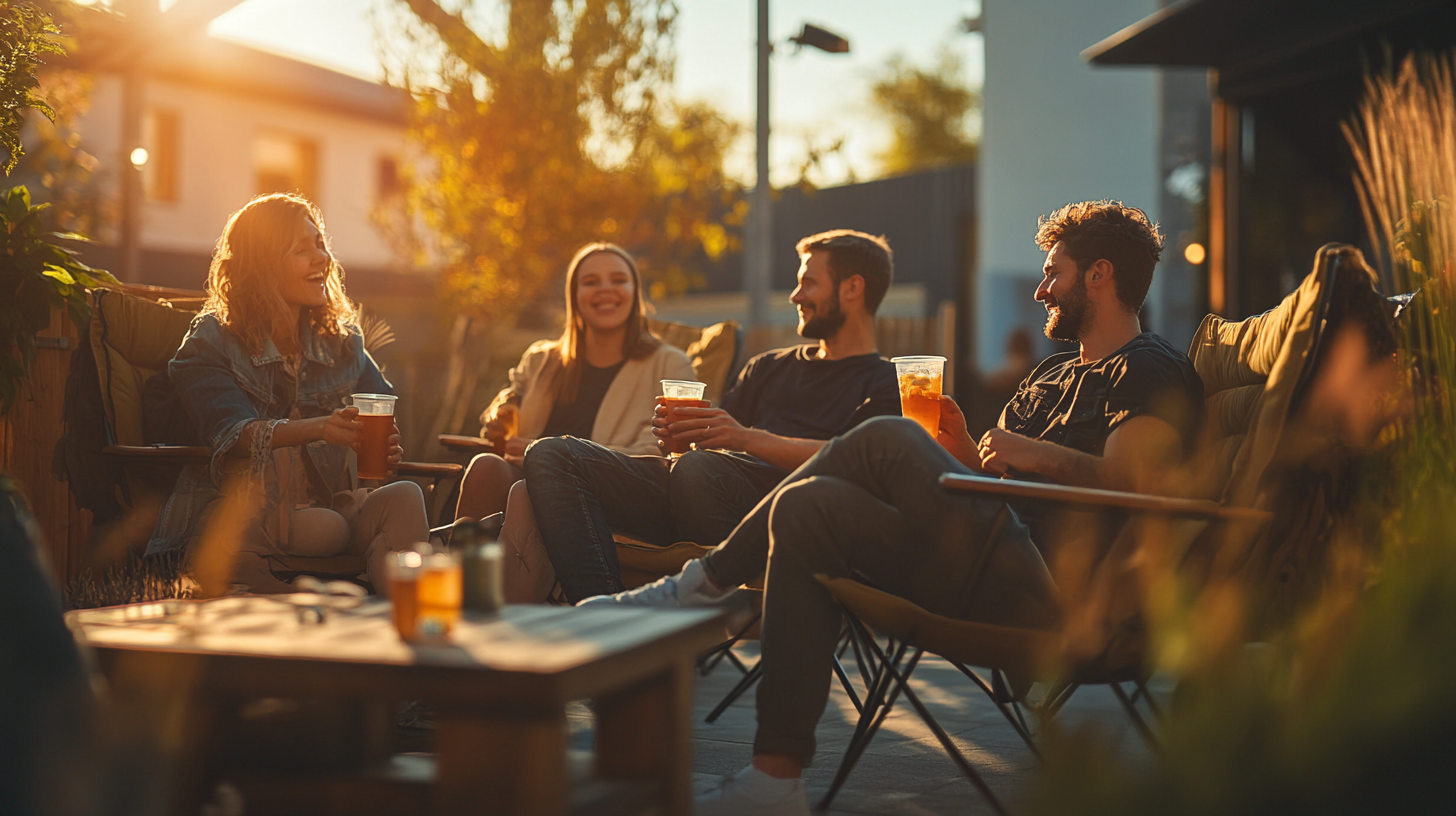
{"points": [[132, 338]]}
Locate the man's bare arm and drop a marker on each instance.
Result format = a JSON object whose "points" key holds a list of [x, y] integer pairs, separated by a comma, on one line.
{"points": [[786, 452], [1138, 456], [714, 428], [954, 436]]}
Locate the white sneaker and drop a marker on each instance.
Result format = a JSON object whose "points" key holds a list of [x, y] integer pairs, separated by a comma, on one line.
{"points": [[751, 792], [688, 588]]}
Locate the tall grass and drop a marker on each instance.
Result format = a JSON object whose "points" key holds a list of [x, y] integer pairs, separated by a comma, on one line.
{"points": [[1403, 138], [1351, 708]]}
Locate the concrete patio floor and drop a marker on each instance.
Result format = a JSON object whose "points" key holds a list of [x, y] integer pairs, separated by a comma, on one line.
{"points": [[904, 770]]}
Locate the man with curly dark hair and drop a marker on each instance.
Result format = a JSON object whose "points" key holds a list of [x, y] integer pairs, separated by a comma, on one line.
{"points": [[1090, 232], [1118, 413]]}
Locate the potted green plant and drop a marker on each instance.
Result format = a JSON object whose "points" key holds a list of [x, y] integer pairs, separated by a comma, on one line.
{"points": [[36, 271]]}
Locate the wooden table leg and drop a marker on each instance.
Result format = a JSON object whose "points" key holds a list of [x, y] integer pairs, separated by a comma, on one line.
{"points": [[163, 697], [502, 764], [645, 731]]}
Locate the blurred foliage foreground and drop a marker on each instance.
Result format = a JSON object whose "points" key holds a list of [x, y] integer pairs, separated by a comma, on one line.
{"points": [[1351, 707]]}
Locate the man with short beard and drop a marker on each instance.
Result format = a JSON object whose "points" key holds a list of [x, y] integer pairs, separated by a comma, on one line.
{"points": [[783, 408], [1119, 413]]}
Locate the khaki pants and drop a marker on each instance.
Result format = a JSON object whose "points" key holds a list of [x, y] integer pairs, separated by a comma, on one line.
{"points": [[371, 523]]}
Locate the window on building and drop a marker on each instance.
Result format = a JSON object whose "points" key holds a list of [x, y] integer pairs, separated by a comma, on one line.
{"points": [[388, 184], [285, 164], [161, 131]]}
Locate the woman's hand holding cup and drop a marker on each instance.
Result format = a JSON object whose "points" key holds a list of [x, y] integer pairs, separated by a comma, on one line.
{"points": [[341, 427], [396, 453]]}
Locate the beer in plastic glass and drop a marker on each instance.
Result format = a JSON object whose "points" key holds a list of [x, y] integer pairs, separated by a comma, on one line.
{"points": [[376, 415], [439, 592], [920, 379], [681, 394], [404, 579]]}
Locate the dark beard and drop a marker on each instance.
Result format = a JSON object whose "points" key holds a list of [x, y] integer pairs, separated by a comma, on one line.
{"points": [[824, 326], [1072, 314]]}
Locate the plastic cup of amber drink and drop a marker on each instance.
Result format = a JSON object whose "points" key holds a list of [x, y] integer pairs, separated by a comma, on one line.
{"points": [[439, 592], [920, 382], [376, 421], [404, 581], [681, 394]]}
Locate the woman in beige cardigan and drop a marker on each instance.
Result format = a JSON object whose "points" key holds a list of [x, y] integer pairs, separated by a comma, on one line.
{"points": [[598, 381]]}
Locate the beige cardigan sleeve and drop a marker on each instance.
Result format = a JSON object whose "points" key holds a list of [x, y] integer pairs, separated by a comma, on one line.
{"points": [[526, 386], [624, 420]]}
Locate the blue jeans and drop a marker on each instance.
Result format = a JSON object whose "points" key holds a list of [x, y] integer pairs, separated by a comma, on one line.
{"points": [[582, 492]]}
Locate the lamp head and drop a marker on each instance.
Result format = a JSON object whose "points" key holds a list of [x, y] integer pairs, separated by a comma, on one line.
{"points": [[822, 39]]}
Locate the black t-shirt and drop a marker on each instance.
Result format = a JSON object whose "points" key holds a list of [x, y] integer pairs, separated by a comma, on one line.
{"points": [[791, 392], [577, 417], [1078, 405]]}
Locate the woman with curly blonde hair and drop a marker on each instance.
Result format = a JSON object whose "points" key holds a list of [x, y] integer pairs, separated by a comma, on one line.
{"points": [[263, 374]]}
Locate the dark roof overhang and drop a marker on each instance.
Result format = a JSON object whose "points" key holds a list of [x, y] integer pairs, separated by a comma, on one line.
{"points": [[1266, 46]]}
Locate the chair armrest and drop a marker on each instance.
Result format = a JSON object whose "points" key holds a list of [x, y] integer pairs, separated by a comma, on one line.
{"points": [[1092, 497], [466, 444], [173, 452], [437, 470]]}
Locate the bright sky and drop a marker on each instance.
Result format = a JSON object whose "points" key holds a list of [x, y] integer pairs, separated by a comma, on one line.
{"points": [[817, 97]]}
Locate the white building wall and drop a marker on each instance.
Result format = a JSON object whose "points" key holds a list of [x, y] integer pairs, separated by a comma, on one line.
{"points": [[216, 169], [1057, 130]]}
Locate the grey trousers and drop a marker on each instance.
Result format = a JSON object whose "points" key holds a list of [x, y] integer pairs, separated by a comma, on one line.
{"points": [[384, 520], [869, 506]]}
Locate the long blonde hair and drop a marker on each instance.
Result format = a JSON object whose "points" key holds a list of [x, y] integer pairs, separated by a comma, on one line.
{"points": [[242, 284], [637, 341]]}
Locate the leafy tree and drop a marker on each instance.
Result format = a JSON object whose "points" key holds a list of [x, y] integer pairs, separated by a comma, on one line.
{"points": [[27, 34], [929, 110], [35, 273], [546, 136]]}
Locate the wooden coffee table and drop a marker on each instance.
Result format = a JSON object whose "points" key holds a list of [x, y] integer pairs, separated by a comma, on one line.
{"points": [[499, 688]]}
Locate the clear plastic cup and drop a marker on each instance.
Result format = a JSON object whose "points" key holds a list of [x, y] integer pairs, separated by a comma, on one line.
{"points": [[681, 394], [376, 414], [404, 598], [920, 382], [439, 591]]}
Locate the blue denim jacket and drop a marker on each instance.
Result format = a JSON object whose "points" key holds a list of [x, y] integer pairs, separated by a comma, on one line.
{"points": [[223, 387]]}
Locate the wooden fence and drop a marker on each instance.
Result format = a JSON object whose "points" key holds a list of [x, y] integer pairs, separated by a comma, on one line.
{"points": [[28, 439]]}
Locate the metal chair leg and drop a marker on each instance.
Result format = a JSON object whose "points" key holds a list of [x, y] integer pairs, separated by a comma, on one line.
{"points": [[743, 685], [756, 673], [950, 747], [1136, 716], [711, 658], [1056, 698], [848, 688], [1016, 708], [998, 700], [876, 708], [1148, 697]]}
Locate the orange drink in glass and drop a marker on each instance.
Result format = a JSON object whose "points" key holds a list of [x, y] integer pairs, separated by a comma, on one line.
{"points": [[439, 592], [920, 383], [681, 394], [404, 578], [376, 417]]}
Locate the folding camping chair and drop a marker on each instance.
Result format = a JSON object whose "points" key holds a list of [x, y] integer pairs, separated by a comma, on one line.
{"points": [[1255, 374]]}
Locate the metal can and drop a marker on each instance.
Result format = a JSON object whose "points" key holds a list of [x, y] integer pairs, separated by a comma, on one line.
{"points": [[481, 571]]}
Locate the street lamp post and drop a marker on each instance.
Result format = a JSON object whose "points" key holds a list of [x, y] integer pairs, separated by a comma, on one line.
{"points": [[758, 255]]}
